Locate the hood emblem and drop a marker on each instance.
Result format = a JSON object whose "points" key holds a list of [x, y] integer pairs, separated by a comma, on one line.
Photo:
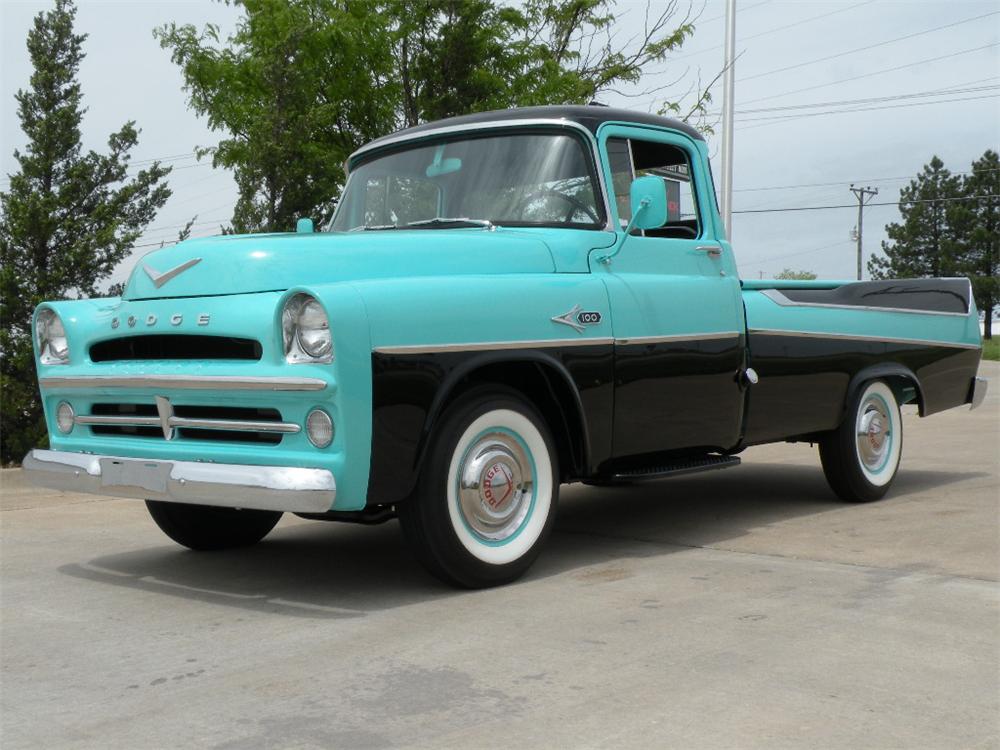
{"points": [[159, 279], [577, 318]]}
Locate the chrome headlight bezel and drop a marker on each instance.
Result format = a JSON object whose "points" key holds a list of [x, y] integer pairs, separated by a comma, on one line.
{"points": [[50, 336], [305, 331]]}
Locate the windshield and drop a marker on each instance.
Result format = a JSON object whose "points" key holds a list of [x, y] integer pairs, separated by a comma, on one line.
{"points": [[519, 179]]}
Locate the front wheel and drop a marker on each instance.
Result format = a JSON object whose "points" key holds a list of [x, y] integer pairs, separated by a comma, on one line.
{"points": [[861, 457], [210, 527], [487, 494]]}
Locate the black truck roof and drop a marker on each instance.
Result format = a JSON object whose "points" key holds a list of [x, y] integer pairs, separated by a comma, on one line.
{"points": [[590, 116]]}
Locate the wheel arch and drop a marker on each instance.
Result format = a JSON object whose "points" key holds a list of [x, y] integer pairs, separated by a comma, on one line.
{"points": [[542, 380], [899, 378]]}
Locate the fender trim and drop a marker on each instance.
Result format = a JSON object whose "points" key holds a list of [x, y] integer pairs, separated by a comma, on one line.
{"points": [[885, 370]]}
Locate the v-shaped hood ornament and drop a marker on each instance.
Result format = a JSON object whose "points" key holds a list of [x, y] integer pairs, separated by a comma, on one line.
{"points": [[159, 279]]}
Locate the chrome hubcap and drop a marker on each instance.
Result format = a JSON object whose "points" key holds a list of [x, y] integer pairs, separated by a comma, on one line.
{"points": [[495, 486], [874, 433]]}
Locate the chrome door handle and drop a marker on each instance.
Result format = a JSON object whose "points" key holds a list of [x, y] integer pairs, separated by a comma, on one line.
{"points": [[713, 251]]}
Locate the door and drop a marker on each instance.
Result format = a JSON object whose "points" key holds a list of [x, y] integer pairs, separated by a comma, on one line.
{"points": [[676, 305]]}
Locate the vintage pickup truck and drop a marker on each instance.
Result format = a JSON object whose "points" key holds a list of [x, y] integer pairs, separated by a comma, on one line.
{"points": [[503, 302]]}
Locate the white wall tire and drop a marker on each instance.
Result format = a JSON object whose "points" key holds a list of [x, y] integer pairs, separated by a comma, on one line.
{"points": [[487, 493], [861, 457]]}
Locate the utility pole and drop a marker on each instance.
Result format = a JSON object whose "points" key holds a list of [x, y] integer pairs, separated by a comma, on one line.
{"points": [[728, 92], [864, 195]]}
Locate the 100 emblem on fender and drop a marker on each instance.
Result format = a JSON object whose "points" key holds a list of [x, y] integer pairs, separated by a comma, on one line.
{"points": [[577, 318]]}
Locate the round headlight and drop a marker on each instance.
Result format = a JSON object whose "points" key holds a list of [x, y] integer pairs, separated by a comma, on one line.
{"points": [[319, 428], [313, 330], [53, 347], [306, 330], [64, 417]]}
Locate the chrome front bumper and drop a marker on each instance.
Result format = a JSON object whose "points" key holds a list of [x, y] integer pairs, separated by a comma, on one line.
{"points": [[284, 488], [977, 392]]}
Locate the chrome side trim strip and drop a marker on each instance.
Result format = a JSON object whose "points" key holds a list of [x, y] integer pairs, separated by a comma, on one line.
{"points": [[392, 140], [481, 346], [198, 424], [677, 338], [186, 382], [282, 488], [856, 337], [778, 298]]}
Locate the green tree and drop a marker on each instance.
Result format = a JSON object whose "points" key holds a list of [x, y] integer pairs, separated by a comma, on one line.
{"points": [[925, 243], [301, 84], [977, 223], [296, 87], [788, 273], [461, 56], [67, 219]]}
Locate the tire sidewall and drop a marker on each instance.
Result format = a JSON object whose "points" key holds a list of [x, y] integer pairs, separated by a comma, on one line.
{"points": [[460, 554], [868, 484]]}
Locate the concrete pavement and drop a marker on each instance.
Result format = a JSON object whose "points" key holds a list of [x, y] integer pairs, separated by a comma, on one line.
{"points": [[742, 608]]}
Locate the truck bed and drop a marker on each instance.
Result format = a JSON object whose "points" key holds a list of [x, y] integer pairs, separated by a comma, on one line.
{"points": [[810, 341]]}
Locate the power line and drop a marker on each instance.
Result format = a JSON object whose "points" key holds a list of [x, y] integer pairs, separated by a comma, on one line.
{"points": [[172, 157], [868, 47], [763, 33], [864, 109], [796, 253], [874, 73], [741, 10], [871, 100], [841, 183], [851, 205], [131, 171], [957, 88]]}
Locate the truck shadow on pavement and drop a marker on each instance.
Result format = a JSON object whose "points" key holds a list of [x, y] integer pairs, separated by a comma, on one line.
{"points": [[342, 571]]}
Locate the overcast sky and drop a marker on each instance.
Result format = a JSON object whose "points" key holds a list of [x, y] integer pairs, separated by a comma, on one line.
{"points": [[925, 54]]}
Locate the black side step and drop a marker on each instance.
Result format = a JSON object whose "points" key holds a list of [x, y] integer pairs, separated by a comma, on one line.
{"points": [[676, 468]]}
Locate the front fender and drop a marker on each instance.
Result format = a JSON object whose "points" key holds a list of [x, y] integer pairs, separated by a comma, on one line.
{"points": [[430, 335], [352, 370]]}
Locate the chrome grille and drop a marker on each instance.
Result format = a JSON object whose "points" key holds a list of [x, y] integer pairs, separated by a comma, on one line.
{"points": [[165, 420]]}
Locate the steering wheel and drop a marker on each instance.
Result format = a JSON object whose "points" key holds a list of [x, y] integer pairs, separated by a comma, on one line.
{"points": [[575, 204], [692, 233]]}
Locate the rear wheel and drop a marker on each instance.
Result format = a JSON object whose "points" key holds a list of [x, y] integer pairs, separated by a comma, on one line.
{"points": [[487, 495], [209, 527], [861, 457]]}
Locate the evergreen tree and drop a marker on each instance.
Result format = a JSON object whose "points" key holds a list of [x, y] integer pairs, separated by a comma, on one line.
{"points": [[977, 223], [925, 242], [67, 219]]}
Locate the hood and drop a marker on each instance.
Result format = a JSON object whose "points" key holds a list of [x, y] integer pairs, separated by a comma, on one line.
{"points": [[239, 264]]}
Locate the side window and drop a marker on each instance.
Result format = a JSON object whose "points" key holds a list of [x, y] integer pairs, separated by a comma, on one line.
{"points": [[671, 164]]}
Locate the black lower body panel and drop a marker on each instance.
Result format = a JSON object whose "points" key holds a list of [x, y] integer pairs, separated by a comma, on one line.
{"points": [[804, 380], [410, 391], [678, 395]]}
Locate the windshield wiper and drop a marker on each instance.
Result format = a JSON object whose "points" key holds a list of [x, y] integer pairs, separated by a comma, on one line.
{"points": [[374, 227], [441, 221]]}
